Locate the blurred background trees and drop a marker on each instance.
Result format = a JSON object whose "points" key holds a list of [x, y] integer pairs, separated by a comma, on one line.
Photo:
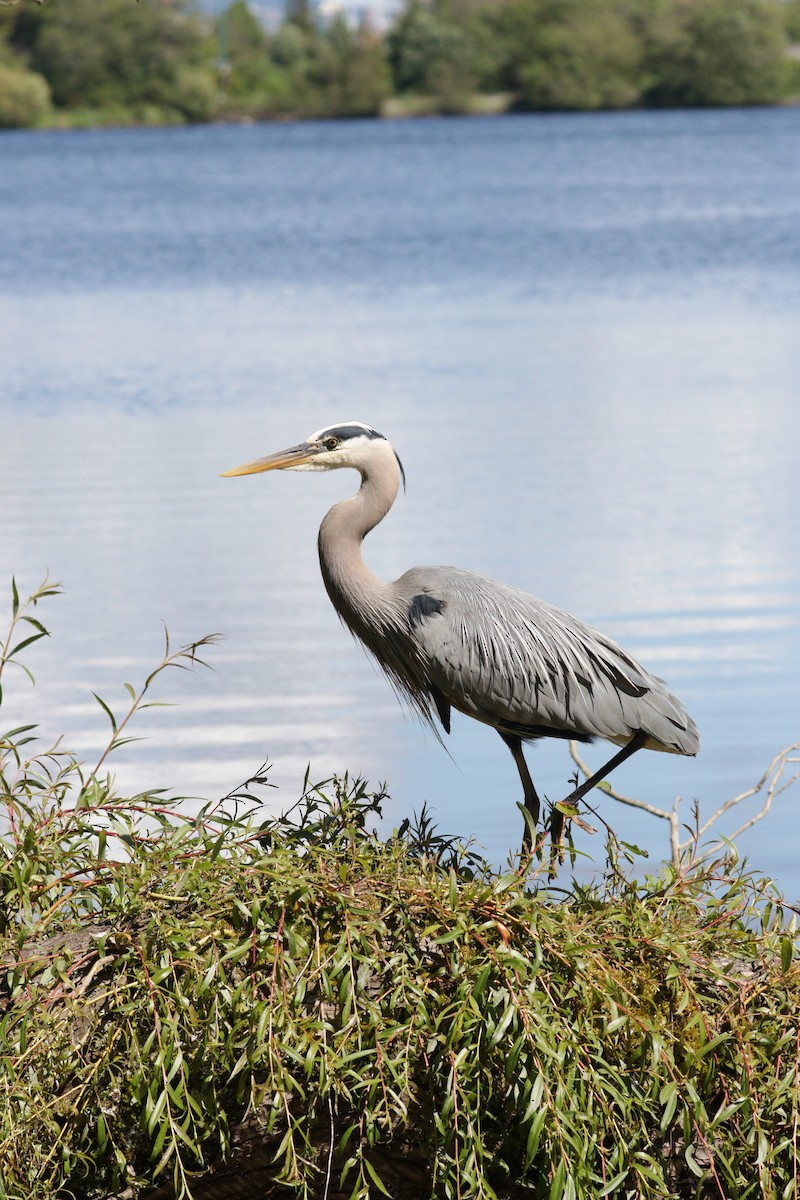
{"points": [[593, 54], [148, 61], [720, 53], [143, 62]]}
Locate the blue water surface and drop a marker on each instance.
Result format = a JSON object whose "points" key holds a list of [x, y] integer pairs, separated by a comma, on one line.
{"points": [[582, 333]]}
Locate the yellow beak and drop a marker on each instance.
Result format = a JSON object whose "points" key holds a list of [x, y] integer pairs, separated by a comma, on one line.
{"points": [[295, 456]]}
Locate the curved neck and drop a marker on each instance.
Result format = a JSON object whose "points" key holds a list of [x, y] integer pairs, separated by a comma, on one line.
{"points": [[357, 595]]}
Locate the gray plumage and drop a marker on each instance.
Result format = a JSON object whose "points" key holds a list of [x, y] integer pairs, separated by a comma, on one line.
{"points": [[449, 638]]}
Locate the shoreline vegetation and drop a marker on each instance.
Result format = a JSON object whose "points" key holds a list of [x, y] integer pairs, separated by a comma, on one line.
{"points": [[68, 64], [202, 1006]]}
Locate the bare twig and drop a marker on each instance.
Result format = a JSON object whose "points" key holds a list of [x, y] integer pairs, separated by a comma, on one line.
{"points": [[772, 780], [772, 783]]}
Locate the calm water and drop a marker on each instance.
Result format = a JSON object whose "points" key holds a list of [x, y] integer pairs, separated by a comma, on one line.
{"points": [[581, 333]]}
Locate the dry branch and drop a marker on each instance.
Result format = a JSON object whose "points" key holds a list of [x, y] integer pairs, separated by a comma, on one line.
{"points": [[772, 784]]}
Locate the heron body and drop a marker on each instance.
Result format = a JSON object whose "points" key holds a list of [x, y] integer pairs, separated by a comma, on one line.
{"points": [[449, 638]]}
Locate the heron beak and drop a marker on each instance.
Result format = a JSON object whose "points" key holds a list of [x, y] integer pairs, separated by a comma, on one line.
{"points": [[295, 456]]}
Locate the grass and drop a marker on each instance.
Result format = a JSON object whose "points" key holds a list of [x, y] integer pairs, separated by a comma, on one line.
{"points": [[354, 1004]]}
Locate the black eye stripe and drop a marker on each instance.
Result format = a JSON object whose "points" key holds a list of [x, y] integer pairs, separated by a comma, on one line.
{"points": [[343, 432]]}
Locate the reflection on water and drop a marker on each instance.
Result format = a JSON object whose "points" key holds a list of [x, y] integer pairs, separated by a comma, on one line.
{"points": [[580, 333]]}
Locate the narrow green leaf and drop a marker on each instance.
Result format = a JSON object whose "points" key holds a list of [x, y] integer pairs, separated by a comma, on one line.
{"points": [[634, 849], [507, 1018], [481, 981], [534, 1136], [692, 1163], [124, 741], [165, 1157], [27, 670], [670, 1106], [375, 1177], [28, 641], [451, 936], [557, 1185], [613, 1184], [725, 1112], [106, 710], [36, 625], [787, 953]]}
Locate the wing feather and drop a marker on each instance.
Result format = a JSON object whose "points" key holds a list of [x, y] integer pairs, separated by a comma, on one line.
{"points": [[520, 664]]}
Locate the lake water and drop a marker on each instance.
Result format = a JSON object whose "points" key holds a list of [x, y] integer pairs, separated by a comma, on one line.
{"points": [[582, 334]]}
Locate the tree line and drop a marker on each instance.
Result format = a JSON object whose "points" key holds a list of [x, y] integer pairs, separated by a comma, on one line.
{"points": [[94, 62]]}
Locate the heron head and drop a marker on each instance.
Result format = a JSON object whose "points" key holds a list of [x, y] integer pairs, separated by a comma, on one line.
{"points": [[349, 444]]}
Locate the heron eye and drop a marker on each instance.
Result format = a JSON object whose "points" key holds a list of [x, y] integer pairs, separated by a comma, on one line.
{"points": [[331, 443]]}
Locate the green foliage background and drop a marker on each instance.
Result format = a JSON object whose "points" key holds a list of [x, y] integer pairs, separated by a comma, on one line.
{"points": [[156, 61]]}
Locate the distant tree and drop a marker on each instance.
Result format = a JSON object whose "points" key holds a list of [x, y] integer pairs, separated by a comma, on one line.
{"points": [[587, 56], [791, 17], [356, 77], [306, 68], [100, 53], [243, 42], [7, 21], [432, 55], [481, 50], [290, 47], [244, 35], [301, 14], [416, 41], [331, 70], [721, 52], [192, 93], [555, 53], [516, 27], [24, 98], [156, 59]]}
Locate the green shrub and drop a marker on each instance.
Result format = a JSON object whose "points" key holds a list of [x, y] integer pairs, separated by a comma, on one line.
{"points": [[167, 978], [429, 53], [791, 86], [591, 59], [721, 52], [24, 98], [101, 53], [791, 17], [192, 93]]}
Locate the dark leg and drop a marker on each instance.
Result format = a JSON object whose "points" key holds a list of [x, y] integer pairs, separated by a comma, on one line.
{"points": [[529, 791], [636, 743], [557, 818]]}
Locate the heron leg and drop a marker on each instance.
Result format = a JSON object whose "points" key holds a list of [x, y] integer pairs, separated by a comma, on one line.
{"points": [[557, 818], [636, 743], [529, 791]]}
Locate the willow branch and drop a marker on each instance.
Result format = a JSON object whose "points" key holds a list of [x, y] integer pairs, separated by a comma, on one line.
{"points": [[775, 784], [772, 779]]}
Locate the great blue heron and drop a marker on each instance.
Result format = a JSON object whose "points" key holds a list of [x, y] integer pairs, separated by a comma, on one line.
{"points": [[449, 638]]}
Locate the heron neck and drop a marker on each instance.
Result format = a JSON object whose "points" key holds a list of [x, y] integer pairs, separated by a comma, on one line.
{"points": [[353, 589]]}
